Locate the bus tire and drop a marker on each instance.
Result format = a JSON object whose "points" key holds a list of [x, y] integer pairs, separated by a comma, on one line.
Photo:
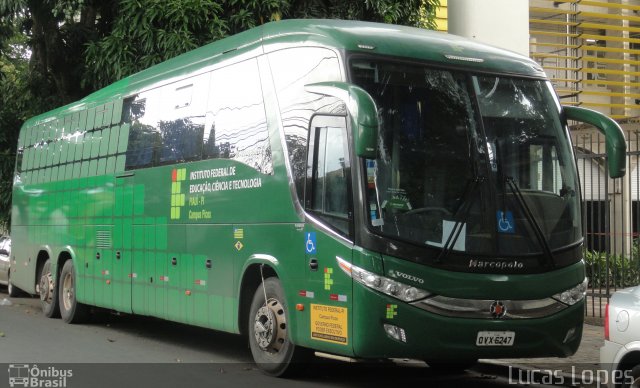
{"points": [[70, 310], [269, 334], [48, 292], [13, 291]]}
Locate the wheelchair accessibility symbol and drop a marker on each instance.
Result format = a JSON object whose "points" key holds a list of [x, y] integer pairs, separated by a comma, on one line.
{"points": [[505, 222], [310, 242]]}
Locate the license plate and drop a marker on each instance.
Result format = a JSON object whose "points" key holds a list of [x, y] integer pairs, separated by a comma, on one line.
{"points": [[495, 338]]}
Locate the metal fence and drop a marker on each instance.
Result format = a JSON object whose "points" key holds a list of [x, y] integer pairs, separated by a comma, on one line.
{"points": [[610, 217]]}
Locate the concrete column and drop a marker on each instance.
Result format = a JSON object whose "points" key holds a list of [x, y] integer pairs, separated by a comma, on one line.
{"points": [[501, 23], [620, 214], [619, 189]]}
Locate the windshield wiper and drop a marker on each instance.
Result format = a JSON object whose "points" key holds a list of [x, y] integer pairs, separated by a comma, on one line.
{"points": [[542, 240], [461, 217]]}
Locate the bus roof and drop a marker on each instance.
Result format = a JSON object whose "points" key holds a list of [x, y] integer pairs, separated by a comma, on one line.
{"points": [[401, 41], [354, 36]]}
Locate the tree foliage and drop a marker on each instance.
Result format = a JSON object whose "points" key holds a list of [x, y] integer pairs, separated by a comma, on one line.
{"points": [[57, 32], [15, 107], [53, 52], [146, 32]]}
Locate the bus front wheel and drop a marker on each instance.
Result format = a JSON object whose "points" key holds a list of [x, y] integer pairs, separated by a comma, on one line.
{"points": [[269, 338], [70, 310], [48, 292]]}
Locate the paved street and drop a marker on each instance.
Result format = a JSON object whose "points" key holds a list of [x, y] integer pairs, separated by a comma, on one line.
{"points": [[128, 351], [586, 358]]}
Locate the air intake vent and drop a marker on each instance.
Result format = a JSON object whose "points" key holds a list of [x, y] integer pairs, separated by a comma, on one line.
{"points": [[103, 239]]}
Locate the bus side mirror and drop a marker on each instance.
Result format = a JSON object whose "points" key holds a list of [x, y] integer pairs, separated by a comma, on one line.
{"points": [[363, 112], [614, 137]]}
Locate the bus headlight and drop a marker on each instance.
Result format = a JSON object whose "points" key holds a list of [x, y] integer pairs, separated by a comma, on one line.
{"points": [[573, 295], [393, 288]]}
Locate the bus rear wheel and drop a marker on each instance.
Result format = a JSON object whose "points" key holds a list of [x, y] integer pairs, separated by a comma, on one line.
{"points": [[13, 291], [70, 310], [269, 339], [48, 291]]}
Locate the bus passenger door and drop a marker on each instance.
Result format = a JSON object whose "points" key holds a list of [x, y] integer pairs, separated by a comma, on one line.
{"points": [[327, 235]]}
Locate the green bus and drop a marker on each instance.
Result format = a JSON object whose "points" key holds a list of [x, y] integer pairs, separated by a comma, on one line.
{"points": [[361, 190]]}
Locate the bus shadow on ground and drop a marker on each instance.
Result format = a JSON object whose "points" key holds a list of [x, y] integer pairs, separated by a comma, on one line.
{"points": [[315, 370]]}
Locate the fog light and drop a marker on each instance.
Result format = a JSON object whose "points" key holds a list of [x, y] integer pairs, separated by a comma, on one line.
{"points": [[395, 332], [570, 333]]}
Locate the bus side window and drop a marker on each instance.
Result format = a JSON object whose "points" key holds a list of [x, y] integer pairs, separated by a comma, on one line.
{"points": [[328, 171], [166, 123], [237, 126], [292, 69], [181, 119], [143, 139]]}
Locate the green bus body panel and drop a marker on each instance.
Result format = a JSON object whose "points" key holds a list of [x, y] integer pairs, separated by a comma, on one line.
{"points": [[174, 241], [490, 286]]}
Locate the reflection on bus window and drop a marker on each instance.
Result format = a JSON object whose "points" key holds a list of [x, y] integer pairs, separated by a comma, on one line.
{"points": [[216, 115], [299, 67], [239, 128]]}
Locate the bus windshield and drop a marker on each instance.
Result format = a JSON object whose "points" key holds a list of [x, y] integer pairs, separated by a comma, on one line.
{"points": [[476, 164]]}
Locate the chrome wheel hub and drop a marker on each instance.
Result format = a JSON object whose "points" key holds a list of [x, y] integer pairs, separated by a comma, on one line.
{"points": [[46, 287], [270, 326]]}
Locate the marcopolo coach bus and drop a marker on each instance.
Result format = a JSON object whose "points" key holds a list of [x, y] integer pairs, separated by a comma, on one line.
{"points": [[357, 189]]}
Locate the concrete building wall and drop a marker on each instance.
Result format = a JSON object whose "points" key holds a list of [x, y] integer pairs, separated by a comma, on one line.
{"points": [[502, 23]]}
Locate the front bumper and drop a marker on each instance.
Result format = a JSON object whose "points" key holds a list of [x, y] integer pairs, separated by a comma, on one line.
{"points": [[430, 336]]}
